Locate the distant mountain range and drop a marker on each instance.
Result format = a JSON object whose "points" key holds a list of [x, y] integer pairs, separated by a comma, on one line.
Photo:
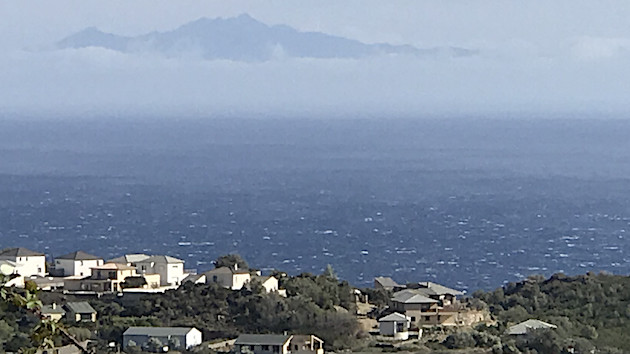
{"points": [[244, 38]]}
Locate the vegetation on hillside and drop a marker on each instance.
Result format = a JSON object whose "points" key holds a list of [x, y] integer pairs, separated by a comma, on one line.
{"points": [[316, 304], [591, 312], [22, 327]]}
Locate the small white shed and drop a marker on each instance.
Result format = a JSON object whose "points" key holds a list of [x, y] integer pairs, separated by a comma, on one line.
{"points": [[395, 325]]}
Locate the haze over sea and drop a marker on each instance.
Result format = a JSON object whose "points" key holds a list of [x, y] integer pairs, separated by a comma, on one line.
{"points": [[471, 203]]}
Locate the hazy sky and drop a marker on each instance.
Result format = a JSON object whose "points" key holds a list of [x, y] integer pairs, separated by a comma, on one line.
{"points": [[534, 56]]}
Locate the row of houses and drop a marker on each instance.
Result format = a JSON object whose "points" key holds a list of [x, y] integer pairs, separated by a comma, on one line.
{"points": [[80, 272], [80, 265], [427, 304], [180, 338]]}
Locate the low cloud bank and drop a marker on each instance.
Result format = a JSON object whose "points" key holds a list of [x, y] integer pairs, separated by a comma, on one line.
{"points": [[589, 74]]}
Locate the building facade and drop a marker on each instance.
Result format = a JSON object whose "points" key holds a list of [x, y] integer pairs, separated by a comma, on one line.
{"points": [[175, 338], [105, 278], [77, 264], [24, 261], [170, 269]]}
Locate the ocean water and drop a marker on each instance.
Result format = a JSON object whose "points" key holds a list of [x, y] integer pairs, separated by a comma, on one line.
{"points": [[471, 203]]}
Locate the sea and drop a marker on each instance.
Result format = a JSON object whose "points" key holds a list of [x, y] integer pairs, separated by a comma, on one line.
{"points": [[468, 202]]}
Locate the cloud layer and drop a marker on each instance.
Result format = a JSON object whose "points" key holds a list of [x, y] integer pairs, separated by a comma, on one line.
{"points": [[571, 71]]}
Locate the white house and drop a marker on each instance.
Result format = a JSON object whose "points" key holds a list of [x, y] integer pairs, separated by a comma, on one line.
{"points": [[77, 264], [229, 278], [395, 325], [176, 338], [170, 269], [25, 261]]}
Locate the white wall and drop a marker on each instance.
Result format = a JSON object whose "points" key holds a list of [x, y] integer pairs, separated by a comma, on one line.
{"points": [[239, 280], [170, 273], [30, 265], [271, 284], [389, 329], [77, 267], [175, 273], [193, 338]]}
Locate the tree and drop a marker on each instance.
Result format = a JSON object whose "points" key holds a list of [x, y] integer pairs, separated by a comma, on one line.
{"points": [[6, 332], [174, 343], [134, 282], [153, 345], [459, 340], [46, 332], [230, 260], [329, 272], [132, 347]]}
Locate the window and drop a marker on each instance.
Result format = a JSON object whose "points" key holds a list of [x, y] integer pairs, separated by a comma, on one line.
{"points": [[427, 318], [265, 348], [400, 327], [413, 318]]}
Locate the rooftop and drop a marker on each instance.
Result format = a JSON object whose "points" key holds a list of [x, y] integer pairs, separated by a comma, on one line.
{"points": [[225, 270], [194, 278], [114, 266], [18, 252], [79, 256], [262, 339], [386, 282], [129, 258], [160, 259], [80, 307], [529, 325], [52, 309], [158, 331], [412, 296], [436, 289], [394, 317]]}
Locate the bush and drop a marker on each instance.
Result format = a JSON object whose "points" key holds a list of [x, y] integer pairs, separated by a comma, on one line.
{"points": [[80, 334], [485, 340], [459, 340]]}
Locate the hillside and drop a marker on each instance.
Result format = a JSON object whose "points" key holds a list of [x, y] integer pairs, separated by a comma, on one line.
{"points": [[592, 311]]}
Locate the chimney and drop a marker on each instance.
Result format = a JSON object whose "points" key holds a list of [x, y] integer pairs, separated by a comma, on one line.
{"points": [[54, 306], [235, 266]]}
